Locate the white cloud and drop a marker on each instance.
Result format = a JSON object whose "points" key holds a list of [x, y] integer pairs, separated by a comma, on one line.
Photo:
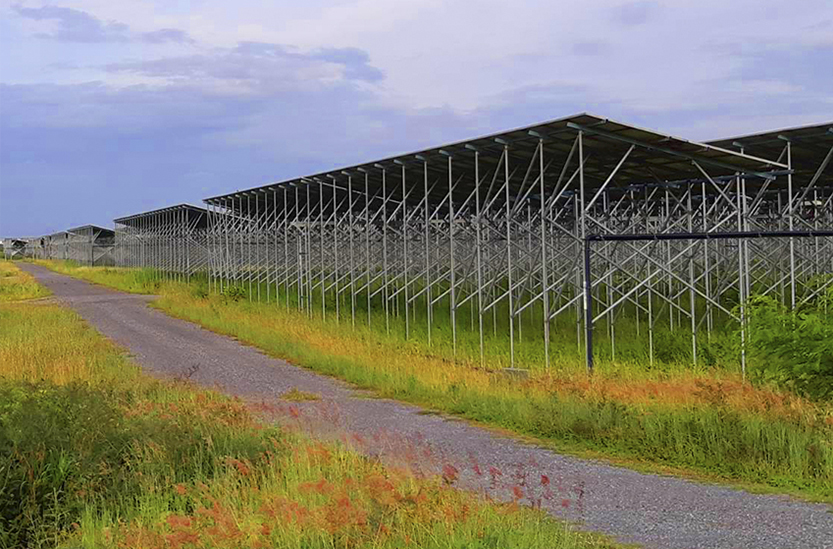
{"points": [[239, 93], [649, 55]]}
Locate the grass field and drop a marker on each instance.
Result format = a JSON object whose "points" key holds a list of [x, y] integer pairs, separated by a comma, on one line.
{"points": [[15, 285], [707, 423], [622, 349], [95, 454]]}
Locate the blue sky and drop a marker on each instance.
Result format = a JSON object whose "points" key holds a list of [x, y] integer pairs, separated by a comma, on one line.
{"points": [[111, 108]]}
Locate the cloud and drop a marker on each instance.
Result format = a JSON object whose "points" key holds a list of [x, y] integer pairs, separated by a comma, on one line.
{"points": [[257, 112], [237, 116], [177, 104], [162, 36], [75, 25], [355, 61], [791, 65], [257, 68], [79, 26], [591, 48], [634, 13]]}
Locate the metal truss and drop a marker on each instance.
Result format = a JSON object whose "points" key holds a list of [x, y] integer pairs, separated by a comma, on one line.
{"points": [[478, 235], [87, 245], [172, 241], [483, 240], [16, 248]]}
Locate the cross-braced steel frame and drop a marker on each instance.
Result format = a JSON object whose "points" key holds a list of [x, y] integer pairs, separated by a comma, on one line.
{"points": [[172, 241], [480, 234], [15, 248], [87, 245]]}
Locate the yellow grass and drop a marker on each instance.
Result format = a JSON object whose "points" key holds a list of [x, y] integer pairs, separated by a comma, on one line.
{"points": [[391, 359], [195, 469], [708, 421], [50, 343], [16, 285]]}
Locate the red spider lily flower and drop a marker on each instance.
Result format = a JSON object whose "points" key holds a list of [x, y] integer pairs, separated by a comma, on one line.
{"points": [[450, 473], [320, 487], [382, 490], [241, 467], [494, 473], [343, 514], [177, 521], [181, 538]]}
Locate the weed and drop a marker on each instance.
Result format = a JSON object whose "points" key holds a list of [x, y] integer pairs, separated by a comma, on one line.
{"points": [[708, 421], [794, 349], [95, 454], [296, 395], [234, 293], [16, 285]]}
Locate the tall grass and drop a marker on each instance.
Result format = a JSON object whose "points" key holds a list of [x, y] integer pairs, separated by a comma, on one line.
{"points": [[795, 348], [620, 346], [621, 350], [16, 285], [95, 454], [137, 281], [707, 422]]}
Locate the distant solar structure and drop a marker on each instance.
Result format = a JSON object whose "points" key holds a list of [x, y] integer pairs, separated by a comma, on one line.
{"points": [[517, 239]]}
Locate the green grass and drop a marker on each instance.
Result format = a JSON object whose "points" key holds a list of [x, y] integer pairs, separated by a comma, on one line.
{"points": [[626, 353], [623, 349], [95, 454], [137, 281], [294, 395], [705, 422], [16, 285]]}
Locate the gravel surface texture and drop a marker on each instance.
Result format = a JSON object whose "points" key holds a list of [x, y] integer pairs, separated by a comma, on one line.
{"points": [[646, 509]]}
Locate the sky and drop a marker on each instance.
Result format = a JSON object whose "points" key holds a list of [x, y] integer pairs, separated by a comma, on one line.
{"points": [[109, 108]]}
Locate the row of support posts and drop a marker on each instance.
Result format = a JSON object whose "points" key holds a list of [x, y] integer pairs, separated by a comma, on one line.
{"points": [[171, 242], [88, 245], [508, 250], [497, 233]]}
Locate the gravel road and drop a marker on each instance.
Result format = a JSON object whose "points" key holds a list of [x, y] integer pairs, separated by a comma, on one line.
{"points": [[649, 510]]}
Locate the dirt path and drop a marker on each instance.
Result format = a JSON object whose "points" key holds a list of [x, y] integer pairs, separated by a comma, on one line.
{"points": [[650, 510]]}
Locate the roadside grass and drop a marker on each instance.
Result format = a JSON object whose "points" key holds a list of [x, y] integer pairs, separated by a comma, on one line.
{"points": [[16, 285], [295, 395], [672, 349], [95, 454], [706, 422], [136, 281]]}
